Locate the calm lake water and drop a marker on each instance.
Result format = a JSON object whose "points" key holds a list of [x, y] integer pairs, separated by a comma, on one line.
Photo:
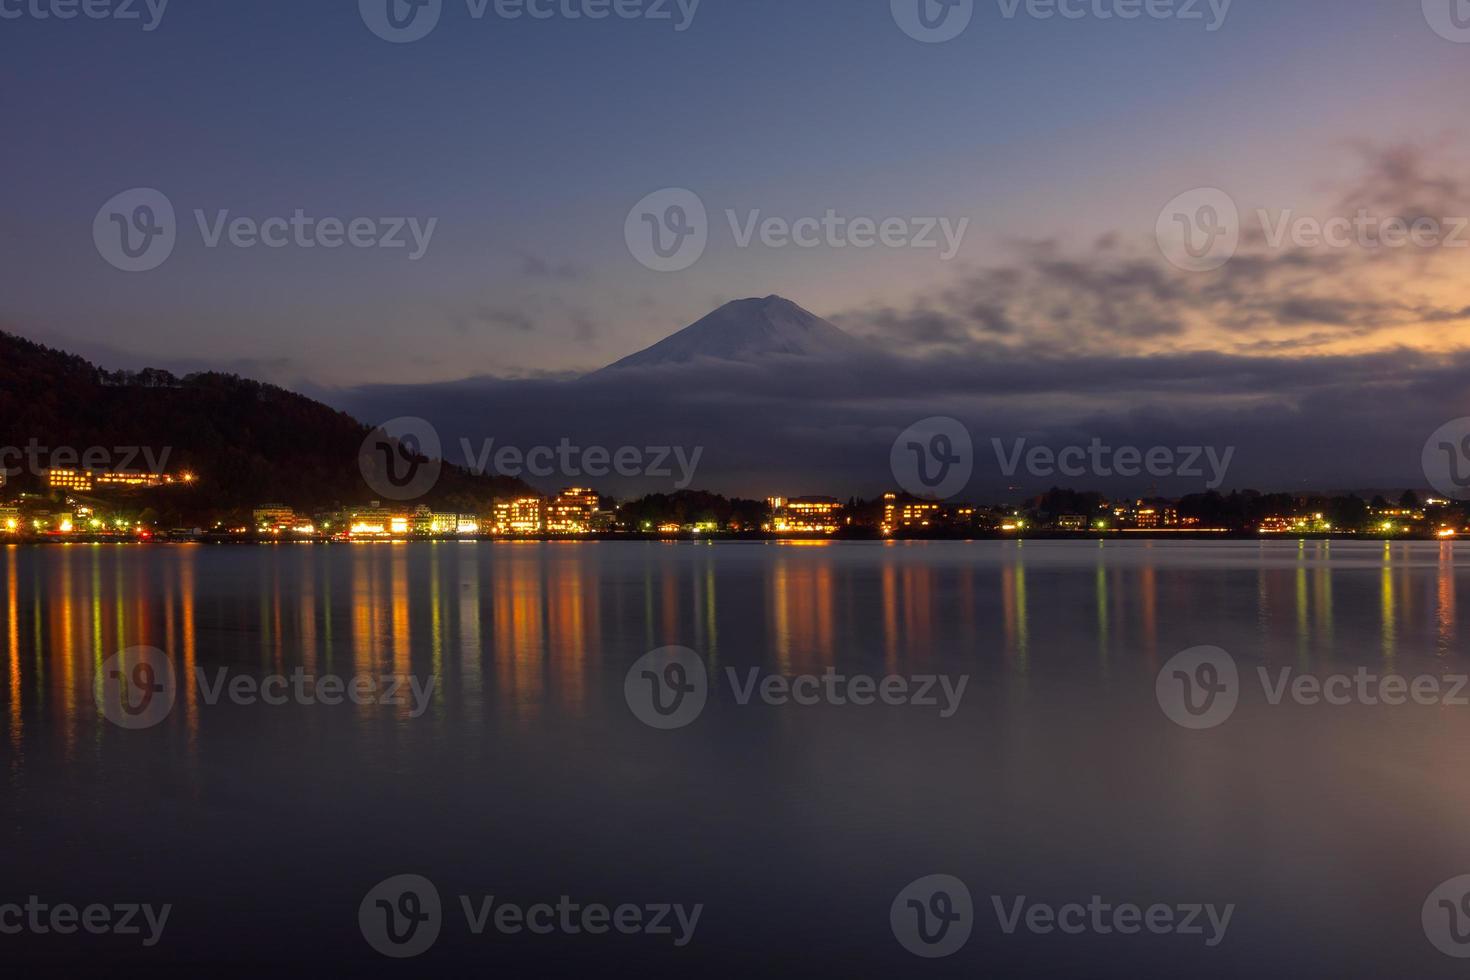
{"points": [[524, 773]]}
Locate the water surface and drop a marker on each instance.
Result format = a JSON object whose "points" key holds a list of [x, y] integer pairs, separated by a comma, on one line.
{"points": [[525, 775]]}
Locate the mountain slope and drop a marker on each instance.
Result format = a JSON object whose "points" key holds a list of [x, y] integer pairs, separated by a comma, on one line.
{"points": [[749, 331], [250, 443]]}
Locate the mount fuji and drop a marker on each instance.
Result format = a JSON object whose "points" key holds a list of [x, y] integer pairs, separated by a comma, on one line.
{"points": [[749, 331]]}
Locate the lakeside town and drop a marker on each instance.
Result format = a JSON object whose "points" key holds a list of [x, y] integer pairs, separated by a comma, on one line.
{"points": [[87, 505]]}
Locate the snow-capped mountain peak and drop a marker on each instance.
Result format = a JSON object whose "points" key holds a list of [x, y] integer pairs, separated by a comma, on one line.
{"points": [[749, 330]]}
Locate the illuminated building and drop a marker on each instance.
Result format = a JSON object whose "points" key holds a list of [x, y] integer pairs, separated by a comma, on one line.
{"points": [[427, 523], [130, 480], [572, 511], [375, 521], [84, 481], [1297, 524], [806, 515], [1151, 517], [274, 518], [57, 479], [909, 514], [1396, 515], [523, 515], [1072, 522]]}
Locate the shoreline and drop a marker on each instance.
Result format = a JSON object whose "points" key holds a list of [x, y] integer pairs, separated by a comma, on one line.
{"points": [[691, 537]]}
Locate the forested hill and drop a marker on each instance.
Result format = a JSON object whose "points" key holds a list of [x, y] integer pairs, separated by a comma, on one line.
{"points": [[249, 442]]}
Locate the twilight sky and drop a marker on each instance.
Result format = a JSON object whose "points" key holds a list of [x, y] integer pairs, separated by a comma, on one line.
{"points": [[528, 141]]}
